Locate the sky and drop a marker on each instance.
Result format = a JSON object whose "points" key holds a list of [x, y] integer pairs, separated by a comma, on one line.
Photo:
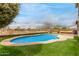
{"points": [[32, 15]]}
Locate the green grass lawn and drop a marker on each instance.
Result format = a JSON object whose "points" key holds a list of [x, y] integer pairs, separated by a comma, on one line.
{"points": [[65, 48]]}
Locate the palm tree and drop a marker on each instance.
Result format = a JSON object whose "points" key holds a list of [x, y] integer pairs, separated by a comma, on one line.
{"points": [[8, 11], [77, 6]]}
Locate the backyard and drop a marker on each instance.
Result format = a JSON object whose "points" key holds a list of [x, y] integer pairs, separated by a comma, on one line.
{"points": [[25, 16], [65, 48]]}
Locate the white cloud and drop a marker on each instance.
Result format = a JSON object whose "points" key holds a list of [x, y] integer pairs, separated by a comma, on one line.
{"points": [[32, 14]]}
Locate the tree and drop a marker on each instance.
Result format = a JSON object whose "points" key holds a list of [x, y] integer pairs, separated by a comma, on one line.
{"points": [[77, 6], [48, 25], [8, 12]]}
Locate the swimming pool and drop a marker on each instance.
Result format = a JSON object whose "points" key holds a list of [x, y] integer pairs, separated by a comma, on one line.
{"points": [[34, 38]]}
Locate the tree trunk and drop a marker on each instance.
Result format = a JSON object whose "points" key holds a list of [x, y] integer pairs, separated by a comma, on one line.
{"points": [[78, 22], [77, 6]]}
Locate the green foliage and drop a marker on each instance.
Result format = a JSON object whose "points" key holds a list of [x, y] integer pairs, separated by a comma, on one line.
{"points": [[8, 11]]}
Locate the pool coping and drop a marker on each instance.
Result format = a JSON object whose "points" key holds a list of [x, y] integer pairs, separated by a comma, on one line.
{"points": [[7, 42]]}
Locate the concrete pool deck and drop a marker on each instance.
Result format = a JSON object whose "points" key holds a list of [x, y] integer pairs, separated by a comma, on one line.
{"points": [[62, 37]]}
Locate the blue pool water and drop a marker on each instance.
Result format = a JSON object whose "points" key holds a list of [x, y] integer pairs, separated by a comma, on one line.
{"points": [[34, 38]]}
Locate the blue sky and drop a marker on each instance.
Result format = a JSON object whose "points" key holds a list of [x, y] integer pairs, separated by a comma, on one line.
{"points": [[32, 15]]}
